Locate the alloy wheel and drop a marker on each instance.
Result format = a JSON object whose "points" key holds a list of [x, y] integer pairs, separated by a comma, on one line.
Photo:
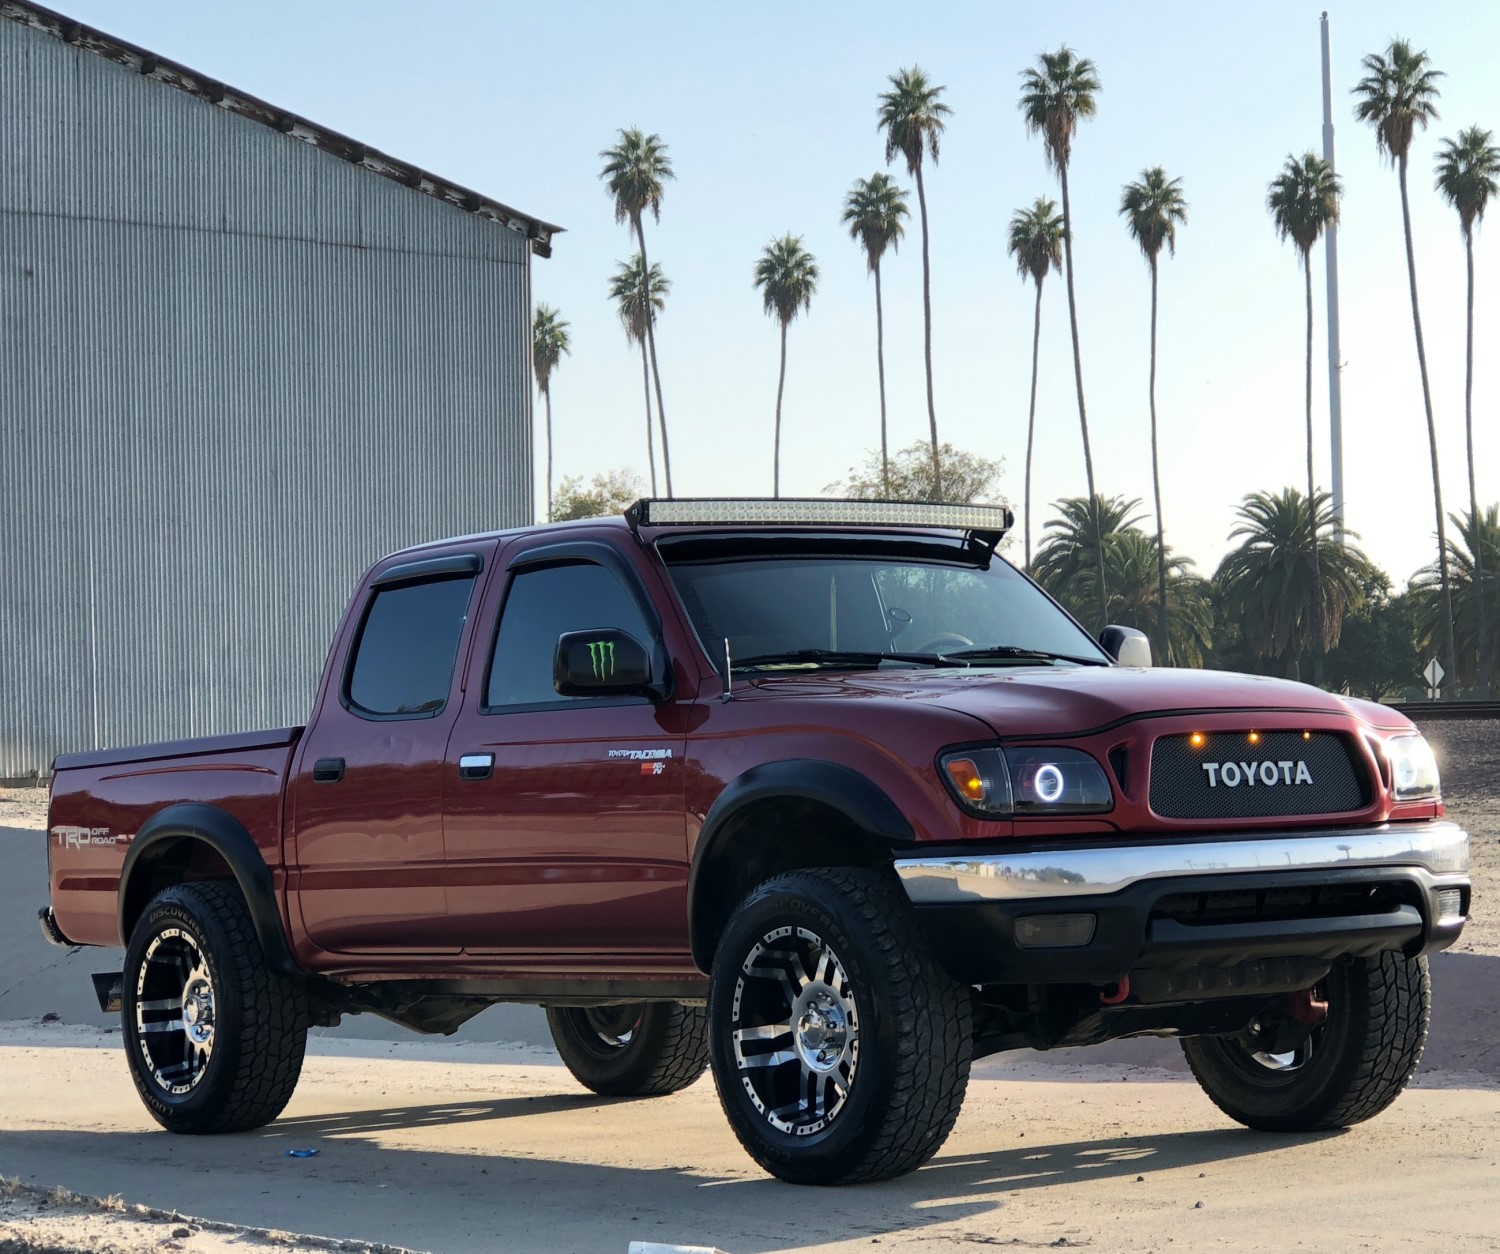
{"points": [[175, 1011]]}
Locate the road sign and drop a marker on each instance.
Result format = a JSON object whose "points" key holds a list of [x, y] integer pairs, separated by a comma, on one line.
{"points": [[1433, 674]]}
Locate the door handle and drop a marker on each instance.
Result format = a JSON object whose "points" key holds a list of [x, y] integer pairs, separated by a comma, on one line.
{"points": [[476, 766], [328, 770]]}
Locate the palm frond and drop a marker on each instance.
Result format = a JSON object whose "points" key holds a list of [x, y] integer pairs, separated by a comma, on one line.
{"points": [[1303, 201], [1397, 95], [1058, 91], [1036, 240], [1468, 174], [639, 295], [787, 276], [550, 339], [1153, 207], [912, 115], [635, 168], [875, 212]]}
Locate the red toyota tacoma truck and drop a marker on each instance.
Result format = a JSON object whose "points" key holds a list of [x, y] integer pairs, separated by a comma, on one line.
{"points": [[825, 795]]}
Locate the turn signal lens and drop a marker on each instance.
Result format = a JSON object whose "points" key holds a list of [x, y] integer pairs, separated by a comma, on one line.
{"points": [[966, 778]]}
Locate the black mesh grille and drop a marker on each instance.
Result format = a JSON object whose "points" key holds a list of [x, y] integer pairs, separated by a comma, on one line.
{"points": [[1281, 774], [1261, 905]]}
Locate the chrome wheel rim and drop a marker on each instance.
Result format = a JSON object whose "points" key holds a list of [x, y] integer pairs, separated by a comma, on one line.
{"points": [[794, 1028], [175, 1011], [615, 1026]]}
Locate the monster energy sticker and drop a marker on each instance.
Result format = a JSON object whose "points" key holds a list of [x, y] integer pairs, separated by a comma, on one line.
{"points": [[602, 658]]}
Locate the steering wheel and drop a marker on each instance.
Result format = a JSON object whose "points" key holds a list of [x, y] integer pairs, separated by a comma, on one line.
{"points": [[943, 642]]}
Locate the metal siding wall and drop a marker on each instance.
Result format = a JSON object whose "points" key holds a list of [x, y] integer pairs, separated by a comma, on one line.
{"points": [[236, 370]]}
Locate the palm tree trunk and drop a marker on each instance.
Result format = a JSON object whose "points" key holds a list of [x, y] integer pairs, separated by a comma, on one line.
{"points": [[1164, 640], [1481, 623], [661, 410], [1036, 344], [937, 469], [1437, 485], [547, 398], [650, 439], [885, 454], [780, 388], [1083, 417], [1319, 636]]}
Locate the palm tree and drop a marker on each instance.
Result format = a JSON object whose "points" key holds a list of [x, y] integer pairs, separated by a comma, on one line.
{"points": [[875, 212], [1070, 544], [639, 296], [912, 117], [1036, 241], [1153, 207], [1398, 94], [549, 341], [1134, 562], [1468, 174], [787, 276], [635, 169], [1065, 567], [1475, 551], [1055, 94], [1268, 582], [1303, 202]]}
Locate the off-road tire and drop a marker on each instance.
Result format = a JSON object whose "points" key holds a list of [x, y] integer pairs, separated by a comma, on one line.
{"points": [[261, 1016], [667, 1048], [914, 1029], [1362, 1057]]}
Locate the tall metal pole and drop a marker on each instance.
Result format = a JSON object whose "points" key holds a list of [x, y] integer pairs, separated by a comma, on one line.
{"points": [[1331, 254]]}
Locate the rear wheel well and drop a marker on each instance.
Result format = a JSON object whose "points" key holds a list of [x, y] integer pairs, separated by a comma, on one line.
{"points": [[169, 862], [764, 839]]}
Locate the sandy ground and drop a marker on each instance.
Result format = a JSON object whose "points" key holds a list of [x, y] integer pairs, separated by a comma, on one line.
{"points": [[480, 1148]]}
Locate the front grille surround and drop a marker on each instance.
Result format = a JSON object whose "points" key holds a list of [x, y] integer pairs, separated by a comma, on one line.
{"points": [[1181, 788]]}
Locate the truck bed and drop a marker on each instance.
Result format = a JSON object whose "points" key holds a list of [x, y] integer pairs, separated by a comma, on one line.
{"points": [[100, 799]]}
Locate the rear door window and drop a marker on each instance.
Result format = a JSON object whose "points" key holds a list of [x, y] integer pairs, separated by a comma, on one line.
{"points": [[408, 644]]}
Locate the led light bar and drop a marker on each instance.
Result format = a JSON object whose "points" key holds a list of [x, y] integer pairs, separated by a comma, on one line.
{"points": [[817, 511]]}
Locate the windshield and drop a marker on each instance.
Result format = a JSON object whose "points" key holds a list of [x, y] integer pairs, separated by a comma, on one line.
{"points": [[773, 608]]}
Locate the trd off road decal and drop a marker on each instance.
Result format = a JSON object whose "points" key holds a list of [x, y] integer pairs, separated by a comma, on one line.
{"points": [[602, 658], [653, 761], [86, 837]]}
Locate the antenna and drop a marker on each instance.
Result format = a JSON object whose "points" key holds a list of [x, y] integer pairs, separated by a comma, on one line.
{"points": [[728, 672]]}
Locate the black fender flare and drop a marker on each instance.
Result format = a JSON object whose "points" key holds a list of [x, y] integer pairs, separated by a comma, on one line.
{"points": [[852, 794], [227, 837]]}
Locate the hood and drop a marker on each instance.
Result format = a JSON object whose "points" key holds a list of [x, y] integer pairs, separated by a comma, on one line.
{"points": [[1060, 701]]}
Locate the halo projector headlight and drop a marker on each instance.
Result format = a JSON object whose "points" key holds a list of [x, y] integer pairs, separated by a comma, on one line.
{"points": [[1414, 772], [1002, 783]]}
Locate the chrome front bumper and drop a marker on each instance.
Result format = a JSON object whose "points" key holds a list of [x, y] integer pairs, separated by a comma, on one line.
{"points": [[1441, 848]]}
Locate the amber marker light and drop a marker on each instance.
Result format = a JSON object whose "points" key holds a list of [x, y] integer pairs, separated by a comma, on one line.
{"points": [[1255, 738], [966, 778], [1196, 740], [1307, 735]]}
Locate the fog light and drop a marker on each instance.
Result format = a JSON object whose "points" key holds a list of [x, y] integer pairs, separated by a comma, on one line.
{"points": [[1450, 905], [1054, 931]]}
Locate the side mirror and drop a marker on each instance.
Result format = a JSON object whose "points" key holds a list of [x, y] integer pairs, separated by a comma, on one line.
{"points": [[1126, 645], [605, 662]]}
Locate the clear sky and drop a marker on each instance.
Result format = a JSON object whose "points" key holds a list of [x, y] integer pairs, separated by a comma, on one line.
{"points": [[769, 114]]}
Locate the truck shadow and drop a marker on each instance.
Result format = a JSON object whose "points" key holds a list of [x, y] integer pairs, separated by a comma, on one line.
{"points": [[537, 1191]]}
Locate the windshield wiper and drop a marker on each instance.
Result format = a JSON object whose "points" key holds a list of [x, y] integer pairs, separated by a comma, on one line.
{"points": [[1009, 651], [835, 657]]}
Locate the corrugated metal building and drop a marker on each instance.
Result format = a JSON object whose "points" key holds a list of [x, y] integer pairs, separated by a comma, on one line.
{"points": [[241, 356]]}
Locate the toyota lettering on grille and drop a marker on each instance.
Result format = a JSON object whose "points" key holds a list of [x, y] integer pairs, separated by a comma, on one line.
{"points": [[1252, 774]]}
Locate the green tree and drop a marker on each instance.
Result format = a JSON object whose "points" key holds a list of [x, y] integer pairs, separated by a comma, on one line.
{"points": [[1474, 572], [1468, 174], [1066, 567], [1377, 655], [1036, 242], [1153, 207], [636, 170], [1303, 202], [549, 341], [1056, 94], [912, 115], [612, 492], [1267, 583], [787, 276], [639, 295], [1398, 94], [875, 212], [1069, 558], [967, 478]]}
